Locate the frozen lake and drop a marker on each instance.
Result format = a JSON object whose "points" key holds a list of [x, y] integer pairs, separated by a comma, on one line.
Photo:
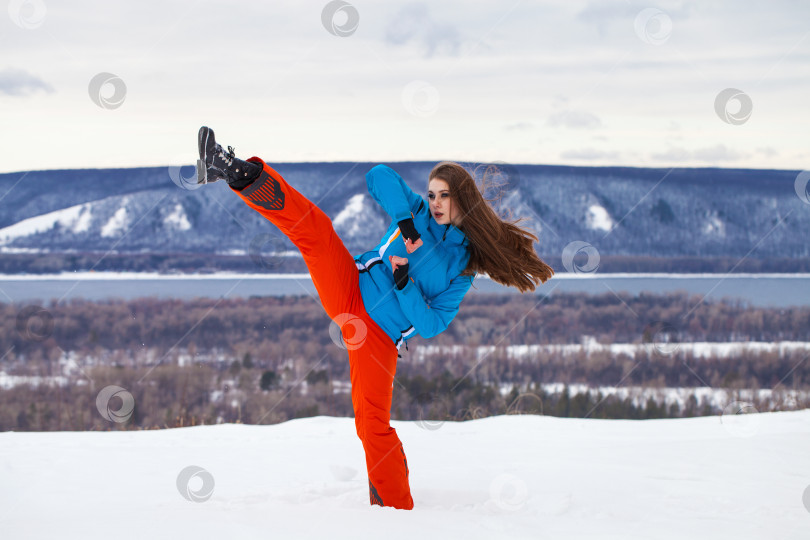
{"points": [[778, 290]]}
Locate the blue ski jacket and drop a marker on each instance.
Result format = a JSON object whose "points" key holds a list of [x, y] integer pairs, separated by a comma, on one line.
{"points": [[435, 288]]}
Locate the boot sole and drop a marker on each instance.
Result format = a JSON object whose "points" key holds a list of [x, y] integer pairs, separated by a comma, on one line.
{"points": [[202, 144], [202, 172]]}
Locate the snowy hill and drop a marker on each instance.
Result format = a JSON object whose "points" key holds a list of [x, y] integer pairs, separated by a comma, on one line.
{"points": [[619, 210], [739, 476]]}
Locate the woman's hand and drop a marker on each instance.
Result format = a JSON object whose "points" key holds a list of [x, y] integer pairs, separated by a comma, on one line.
{"points": [[397, 261], [410, 235], [400, 267], [410, 247]]}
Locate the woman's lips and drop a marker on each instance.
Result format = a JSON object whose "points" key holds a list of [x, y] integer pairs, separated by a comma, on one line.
{"points": [[437, 214]]}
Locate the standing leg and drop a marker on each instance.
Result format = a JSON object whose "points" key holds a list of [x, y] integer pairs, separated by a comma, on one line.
{"points": [[373, 366]]}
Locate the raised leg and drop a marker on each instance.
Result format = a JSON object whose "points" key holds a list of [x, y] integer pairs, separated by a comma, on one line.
{"points": [[330, 264]]}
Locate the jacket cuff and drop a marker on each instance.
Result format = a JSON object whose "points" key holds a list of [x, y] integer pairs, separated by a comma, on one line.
{"points": [[401, 276], [256, 184], [408, 229], [407, 289]]}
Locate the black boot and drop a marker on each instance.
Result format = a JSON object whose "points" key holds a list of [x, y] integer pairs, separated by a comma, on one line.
{"points": [[217, 164]]}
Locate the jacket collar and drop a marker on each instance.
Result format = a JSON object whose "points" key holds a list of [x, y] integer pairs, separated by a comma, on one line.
{"points": [[455, 235], [448, 233]]}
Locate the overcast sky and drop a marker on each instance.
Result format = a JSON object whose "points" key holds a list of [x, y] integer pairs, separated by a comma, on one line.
{"points": [[563, 82]]}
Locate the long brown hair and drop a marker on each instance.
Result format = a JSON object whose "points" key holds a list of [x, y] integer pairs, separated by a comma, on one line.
{"points": [[499, 248]]}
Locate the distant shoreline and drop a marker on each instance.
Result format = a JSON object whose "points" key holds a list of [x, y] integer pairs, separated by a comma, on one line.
{"points": [[106, 275]]}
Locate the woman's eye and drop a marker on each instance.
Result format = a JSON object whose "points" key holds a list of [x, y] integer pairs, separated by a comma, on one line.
{"points": [[445, 195], [431, 196]]}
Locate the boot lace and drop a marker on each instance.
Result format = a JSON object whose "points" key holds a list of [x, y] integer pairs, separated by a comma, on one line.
{"points": [[228, 156]]}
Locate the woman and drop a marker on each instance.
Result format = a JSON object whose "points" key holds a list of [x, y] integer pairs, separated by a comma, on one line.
{"points": [[411, 283]]}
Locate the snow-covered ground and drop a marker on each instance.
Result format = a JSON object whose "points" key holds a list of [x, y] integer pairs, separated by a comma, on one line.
{"points": [[738, 476]]}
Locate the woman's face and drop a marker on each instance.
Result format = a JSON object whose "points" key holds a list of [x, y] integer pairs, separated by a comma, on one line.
{"points": [[442, 207]]}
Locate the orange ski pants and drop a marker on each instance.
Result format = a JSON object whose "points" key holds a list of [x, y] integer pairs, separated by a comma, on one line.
{"points": [[372, 353]]}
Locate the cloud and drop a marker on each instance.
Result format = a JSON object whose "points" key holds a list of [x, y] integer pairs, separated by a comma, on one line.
{"points": [[710, 154], [598, 12], [672, 155], [574, 120], [602, 14], [16, 82], [716, 153], [413, 23], [588, 154], [620, 16], [519, 126]]}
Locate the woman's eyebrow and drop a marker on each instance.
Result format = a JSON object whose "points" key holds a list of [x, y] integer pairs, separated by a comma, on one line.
{"points": [[440, 191]]}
